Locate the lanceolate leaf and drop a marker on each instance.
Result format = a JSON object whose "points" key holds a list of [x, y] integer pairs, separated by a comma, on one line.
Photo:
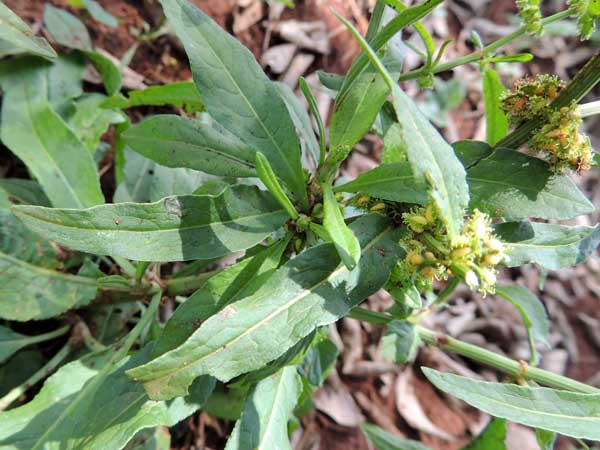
{"points": [[297, 298], [66, 29], [11, 342], [37, 135], [382, 440], [345, 242], [432, 159], [530, 308], [174, 141], [175, 228], [564, 412], [182, 94], [17, 38], [394, 182], [107, 417], [263, 425], [25, 191], [549, 245], [237, 93], [515, 186], [496, 122], [29, 292], [235, 282], [492, 438]]}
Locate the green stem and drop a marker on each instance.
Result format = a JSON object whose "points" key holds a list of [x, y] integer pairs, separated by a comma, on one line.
{"points": [[482, 355], [589, 109], [448, 290], [485, 51], [185, 285], [48, 368], [48, 336]]}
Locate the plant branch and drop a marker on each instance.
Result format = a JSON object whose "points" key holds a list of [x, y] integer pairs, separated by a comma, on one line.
{"points": [[482, 355], [485, 51], [46, 370]]}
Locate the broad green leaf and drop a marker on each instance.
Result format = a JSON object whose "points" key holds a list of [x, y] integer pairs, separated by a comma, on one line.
{"points": [[66, 29], [355, 111], [301, 119], [38, 136], [105, 416], [233, 283], [394, 182], [515, 186], [400, 341], [546, 439], [11, 342], [89, 122], [530, 308], [138, 178], [345, 241], [263, 425], [22, 190], [549, 245], [569, 413], [432, 159], [180, 181], [29, 292], [492, 438], [471, 152], [496, 123], [237, 93], [174, 141], [175, 228], [100, 14], [65, 82], [182, 94], [16, 37], [394, 147], [299, 297], [382, 440]]}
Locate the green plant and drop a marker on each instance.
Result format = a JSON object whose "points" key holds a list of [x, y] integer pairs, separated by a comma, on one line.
{"points": [[252, 336]]}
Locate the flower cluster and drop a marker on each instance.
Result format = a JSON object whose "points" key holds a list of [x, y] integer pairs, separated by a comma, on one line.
{"points": [[559, 138], [587, 12], [430, 253], [531, 15], [562, 142], [530, 98]]}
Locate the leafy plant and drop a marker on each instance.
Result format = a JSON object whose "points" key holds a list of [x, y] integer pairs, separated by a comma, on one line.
{"points": [[224, 177]]}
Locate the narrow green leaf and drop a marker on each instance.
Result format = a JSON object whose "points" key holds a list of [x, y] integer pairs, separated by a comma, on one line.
{"points": [[66, 415], [176, 228], [517, 57], [301, 119], [100, 14], [269, 179], [89, 122], [342, 237], [182, 94], [38, 136], [299, 297], [492, 438], [237, 93], [19, 368], [496, 123], [549, 245], [515, 186], [66, 29], [569, 413], [530, 308], [269, 407], [312, 103], [400, 341], [175, 141], [546, 439], [331, 81], [432, 159], [24, 191], [11, 342], [16, 37], [382, 440], [393, 182], [318, 362], [29, 292], [109, 72], [233, 283]]}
